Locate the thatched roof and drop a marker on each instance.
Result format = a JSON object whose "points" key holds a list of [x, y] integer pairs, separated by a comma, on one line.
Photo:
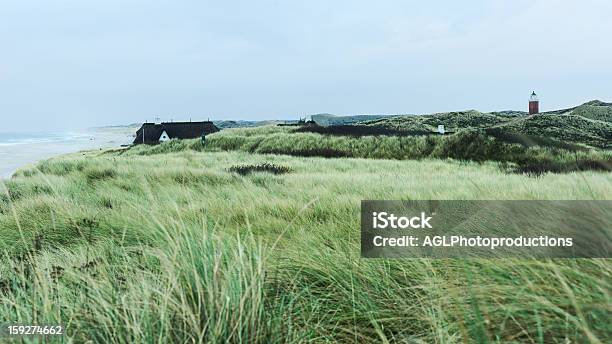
{"points": [[175, 130]]}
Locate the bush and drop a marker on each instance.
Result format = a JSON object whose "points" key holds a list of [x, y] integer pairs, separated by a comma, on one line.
{"points": [[310, 152], [541, 167], [244, 170], [532, 140], [359, 130]]}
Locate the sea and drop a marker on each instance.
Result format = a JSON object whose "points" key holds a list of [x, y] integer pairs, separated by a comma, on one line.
{"points": [[12, 139], [21, 149]]}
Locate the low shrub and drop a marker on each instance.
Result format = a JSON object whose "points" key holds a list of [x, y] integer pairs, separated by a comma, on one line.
{"points": [[359, 130], [532, 140], [542, 167], [469, 145], [244, 170], [310, 152]]}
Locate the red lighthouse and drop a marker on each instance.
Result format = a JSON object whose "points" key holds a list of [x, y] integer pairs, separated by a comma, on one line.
{"points": [[534, 104]]}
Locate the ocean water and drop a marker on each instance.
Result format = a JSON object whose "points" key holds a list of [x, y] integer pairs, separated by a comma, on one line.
{"points": [[21, 149], [11, 139]]}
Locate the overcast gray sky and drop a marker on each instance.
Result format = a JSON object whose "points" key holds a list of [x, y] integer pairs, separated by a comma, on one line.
{"points": [[74, 64]]}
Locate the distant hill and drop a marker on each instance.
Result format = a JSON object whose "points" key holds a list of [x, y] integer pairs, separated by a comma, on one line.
{"points": [[589, 123], [329, 119], [510, 113], [595, 109], [121, 126], [451, 120], [565, 127], [244, 124]]}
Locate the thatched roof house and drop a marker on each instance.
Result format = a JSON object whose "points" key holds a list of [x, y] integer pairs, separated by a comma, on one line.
{"points": [[151, 133]]}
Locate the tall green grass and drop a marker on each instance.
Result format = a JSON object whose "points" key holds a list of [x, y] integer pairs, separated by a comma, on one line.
{"points": [[476, 145], [192, 287], [174, 247]]}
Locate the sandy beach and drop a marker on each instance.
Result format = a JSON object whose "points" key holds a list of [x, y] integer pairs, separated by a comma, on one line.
{"points": [[20, 153]]}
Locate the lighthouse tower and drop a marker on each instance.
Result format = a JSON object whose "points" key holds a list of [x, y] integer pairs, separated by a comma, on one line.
{"points": [[534, 104]]}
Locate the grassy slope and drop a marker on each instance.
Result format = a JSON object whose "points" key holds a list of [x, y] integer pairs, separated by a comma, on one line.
{"points": [[566, 128], [329, 119], [594, 110], [471, 144], [134, 248], [452, 121], [590, 123]]}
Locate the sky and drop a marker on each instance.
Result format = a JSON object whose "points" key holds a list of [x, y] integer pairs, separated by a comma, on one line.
{"points": [[76, 64]]}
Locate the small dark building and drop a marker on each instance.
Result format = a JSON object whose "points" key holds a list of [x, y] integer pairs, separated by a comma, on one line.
{"points": [[152, 133]]}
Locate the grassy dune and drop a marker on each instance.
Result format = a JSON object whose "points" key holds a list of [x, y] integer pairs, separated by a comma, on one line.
{"points": [[565, 127], [451, 120], [165, 244], [589, 124], [520, 153]]}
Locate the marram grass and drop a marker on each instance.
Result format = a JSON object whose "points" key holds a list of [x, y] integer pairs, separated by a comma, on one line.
{"points": [[173, 247], [533, 153]]}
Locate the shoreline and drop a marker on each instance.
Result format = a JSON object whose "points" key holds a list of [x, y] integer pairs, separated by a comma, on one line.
{"points": [[14, 157]]}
